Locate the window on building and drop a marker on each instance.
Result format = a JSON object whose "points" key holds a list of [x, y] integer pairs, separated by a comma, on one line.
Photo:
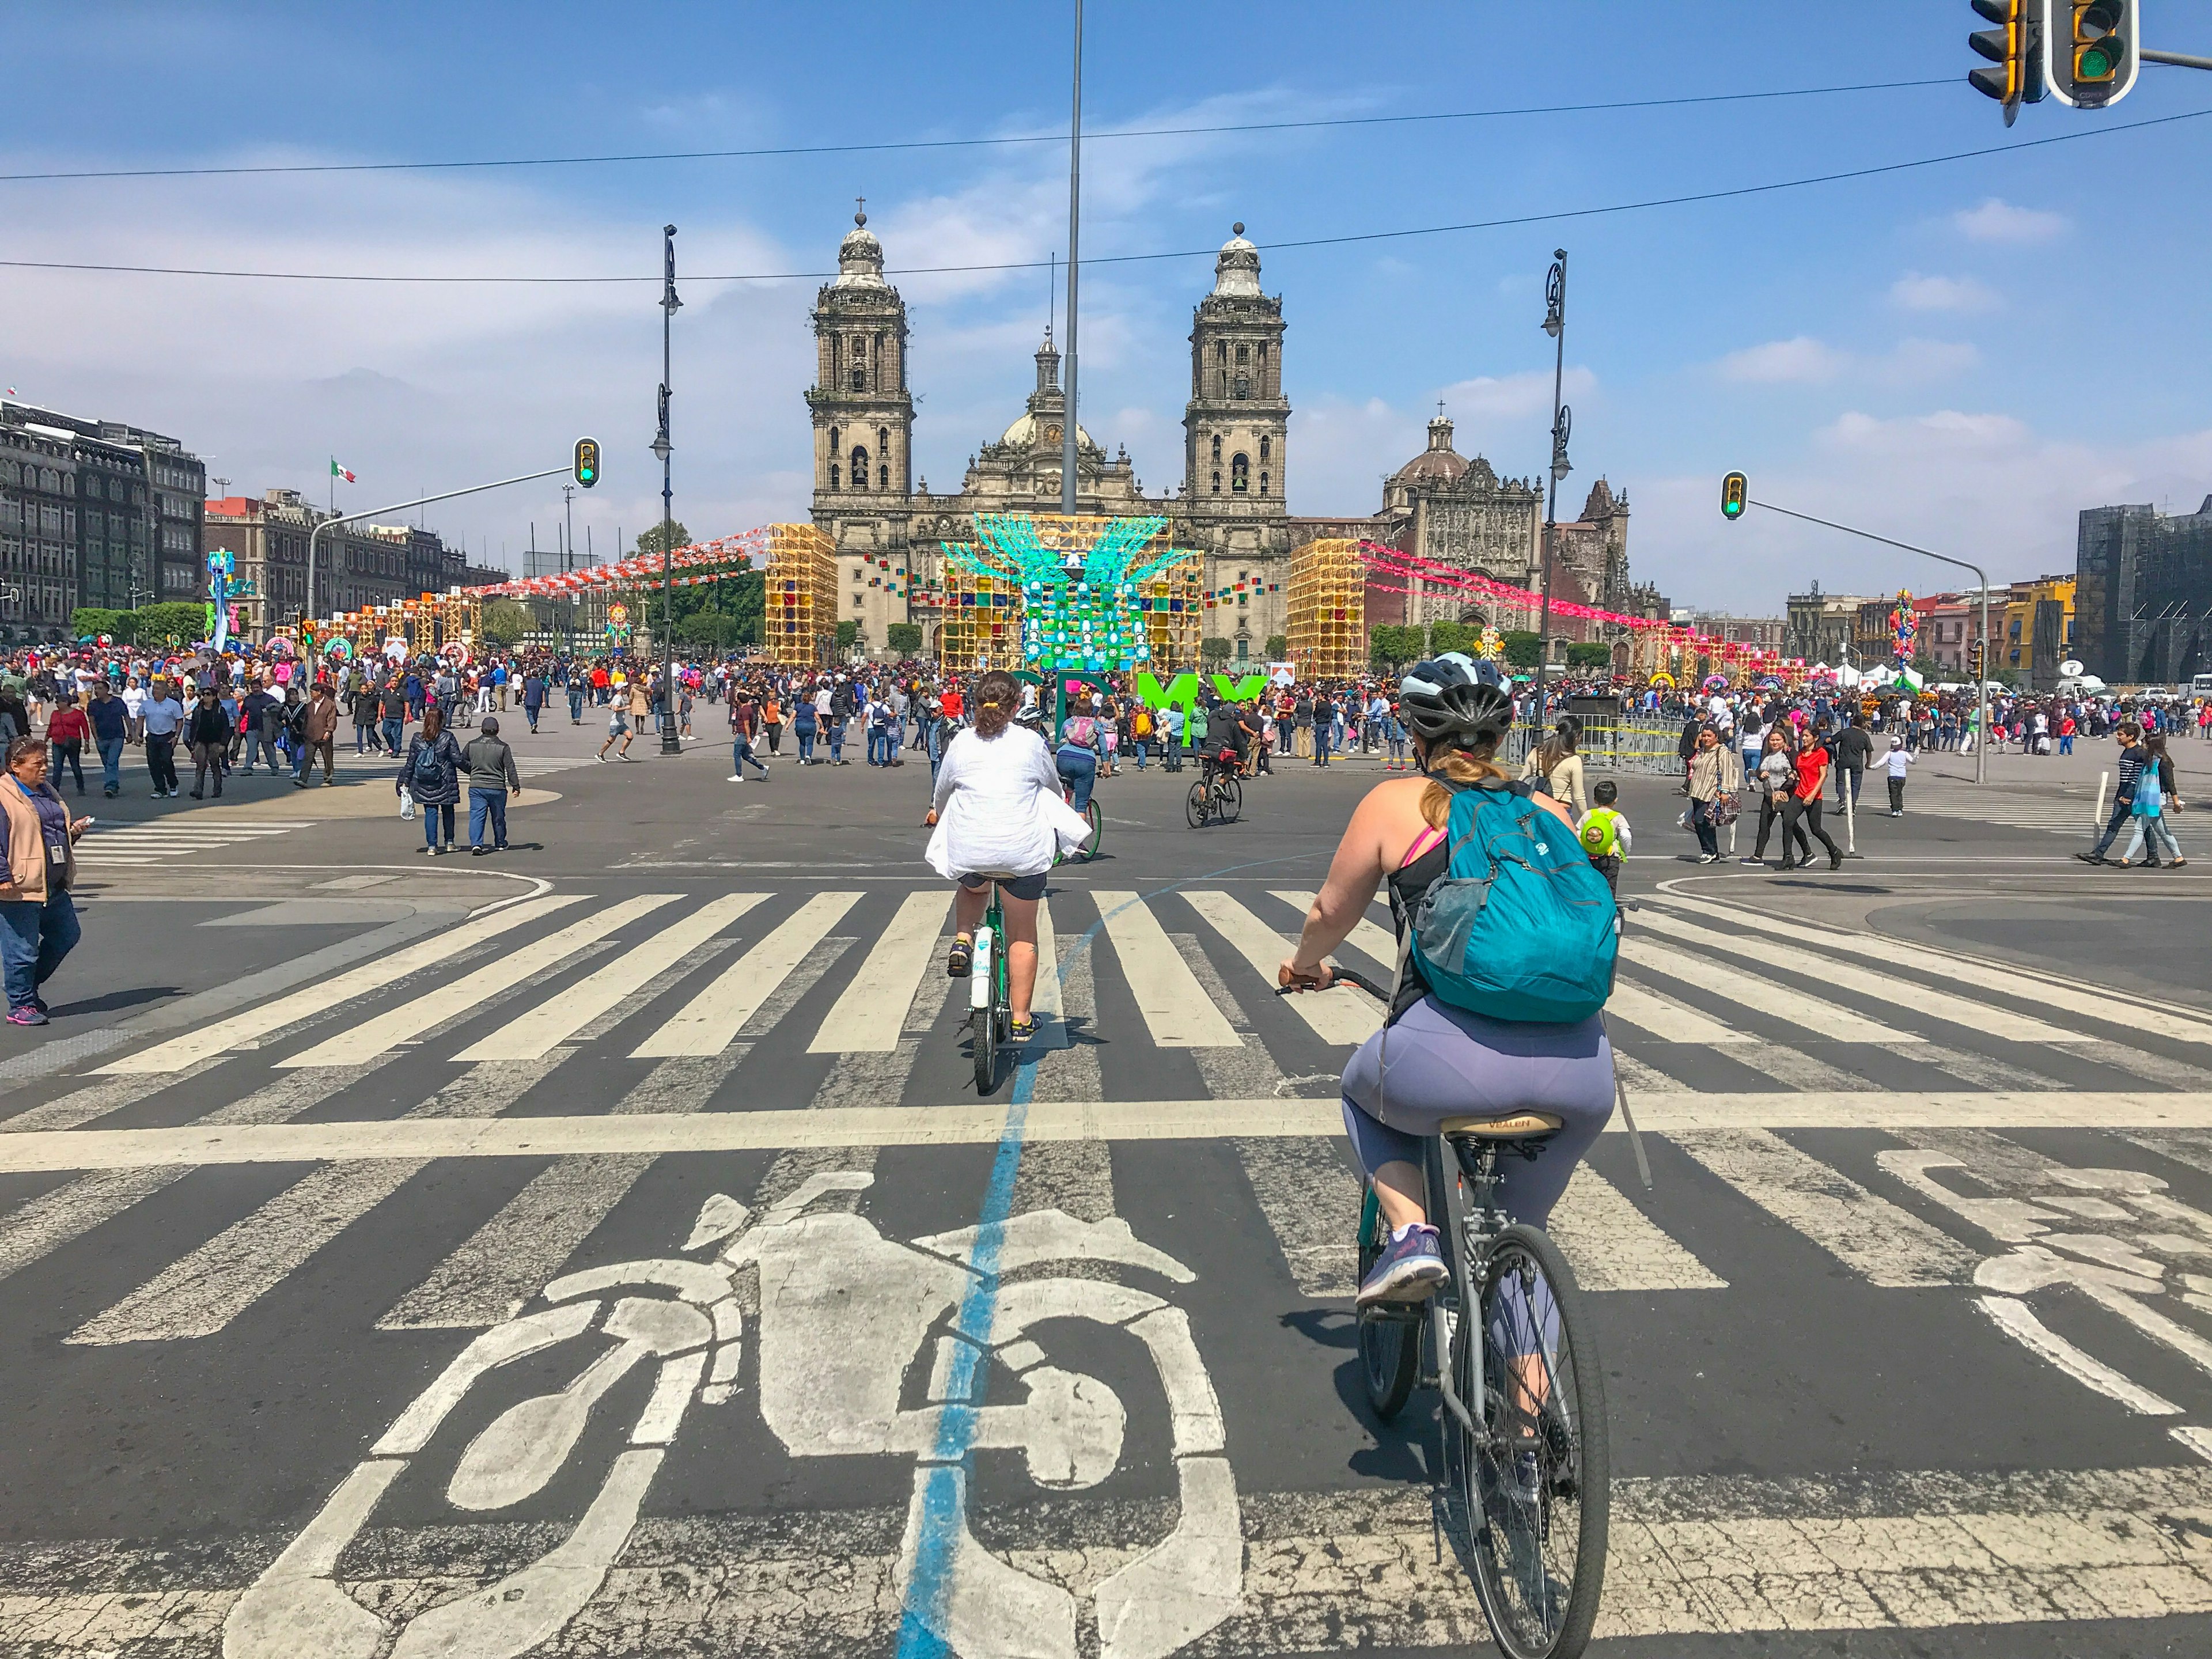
{"points": [[1244, 385], [882, 477], [883, 440], [860, 468], [1216, 446], [833, 475], [1221, 351], [856, 602], [1263, 483], [1221, 381], [833, 441], [1266, 445], [859, 380], [1239, 473], [1243, 647], [1244, 355], [1217, 484]]}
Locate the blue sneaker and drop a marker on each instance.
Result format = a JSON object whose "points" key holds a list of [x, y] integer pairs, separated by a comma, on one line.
{"points": [[25, 1015], [1410, 1269]]}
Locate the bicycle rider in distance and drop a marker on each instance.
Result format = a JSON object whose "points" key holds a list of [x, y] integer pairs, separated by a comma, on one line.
{"points": [[998, 812], [1445, 1062], [1076, 756]]}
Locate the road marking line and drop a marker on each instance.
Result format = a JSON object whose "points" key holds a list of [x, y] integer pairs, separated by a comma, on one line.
{"points": [[1341, 1015], [1894, 991], [2018, 1321], [435, 1008], [1883, 1243], [1830, 1023], [710, 1022], [1668, 1020], [1370, 940], [2185, 1028], [338, 991], [564, 1013], [887, 981], [1176, 1011], [966, 1123], [200, 1293], [1613, 1246], [1044, 1001], [1311, 1198]]}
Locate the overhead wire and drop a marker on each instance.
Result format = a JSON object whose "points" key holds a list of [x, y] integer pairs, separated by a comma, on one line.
{"points": [[1553, 216], [256, 170]]}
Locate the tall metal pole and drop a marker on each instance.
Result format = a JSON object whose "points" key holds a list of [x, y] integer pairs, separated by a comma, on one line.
{"points": [[1555, 324], [670, 743], [568, 541], [1067, 451]]}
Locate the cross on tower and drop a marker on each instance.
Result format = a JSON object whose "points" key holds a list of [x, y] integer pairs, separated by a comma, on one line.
{"points": [[1440, 409], [860, 209]]}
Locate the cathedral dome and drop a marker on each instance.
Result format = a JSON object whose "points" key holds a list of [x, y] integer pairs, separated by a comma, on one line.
{"points": [[860, 257], [1237, 268], [1439, 462], [1024, 431]]}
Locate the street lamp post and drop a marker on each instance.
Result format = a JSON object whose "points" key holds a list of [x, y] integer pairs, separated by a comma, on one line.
{"points": [[1068, 446], [1555, 324], [670, 743]]}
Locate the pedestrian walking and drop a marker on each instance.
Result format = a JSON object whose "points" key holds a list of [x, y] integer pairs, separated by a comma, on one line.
{"points": [[744, 720], [492, 775], [431, 773], [319, 732], [1897, 764], [66, 732], [1803, 807], [533, 695], [207, 740], [2132, 755], [39, 924], [160, 717], [1715, 774], [2155, 794], [109, 727]]}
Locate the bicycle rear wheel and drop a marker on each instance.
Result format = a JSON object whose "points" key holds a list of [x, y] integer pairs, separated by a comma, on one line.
{"points": [[1389, 1339], [983, 1024], [1097, 832], [1197, 805], [1535, 1483]]}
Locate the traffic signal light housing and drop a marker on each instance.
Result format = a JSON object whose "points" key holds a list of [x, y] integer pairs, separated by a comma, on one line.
{"points": [[1736, 496], [2011, 48], [1974, 658], [587, 461], [2092, 51]]}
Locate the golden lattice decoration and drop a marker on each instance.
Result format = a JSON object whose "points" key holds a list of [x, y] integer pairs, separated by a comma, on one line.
{"points": [[1328, 626], [800, 615]]}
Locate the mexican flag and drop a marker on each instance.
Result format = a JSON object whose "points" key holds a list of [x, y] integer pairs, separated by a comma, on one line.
{"points": [[337, 472]]}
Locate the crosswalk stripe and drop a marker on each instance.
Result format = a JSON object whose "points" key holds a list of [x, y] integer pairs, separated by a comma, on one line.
{"points": [[1827, 1022], [1044, 1004], [1176, 1010], [1885, 1245], [243, 1029], [1372, 941], [1892, 991], [1613, 1246], [560, 1017], [411, 1019], [2183, 1027], [710, 1021], [1341, 1015], [867, 1018], [1668, 1020], [201, 1292]]}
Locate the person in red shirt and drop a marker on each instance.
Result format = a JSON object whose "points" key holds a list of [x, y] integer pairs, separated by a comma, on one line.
{"points": [[1801, 811], [65, 734]]}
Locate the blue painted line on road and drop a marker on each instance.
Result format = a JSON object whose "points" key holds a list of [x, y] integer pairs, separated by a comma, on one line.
{"points": [[929, 1596]]}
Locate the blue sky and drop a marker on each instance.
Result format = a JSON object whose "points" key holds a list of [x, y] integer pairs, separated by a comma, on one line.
{"points": [[1961, 355]]}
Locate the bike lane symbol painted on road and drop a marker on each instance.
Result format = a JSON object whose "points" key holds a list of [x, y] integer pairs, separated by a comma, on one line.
{"points": [[843, 1312]]}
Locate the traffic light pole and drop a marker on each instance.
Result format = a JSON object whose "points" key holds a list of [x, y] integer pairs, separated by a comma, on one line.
{"points": [[1555, 324], [670, 744], [314, 536], [1981, 679]]}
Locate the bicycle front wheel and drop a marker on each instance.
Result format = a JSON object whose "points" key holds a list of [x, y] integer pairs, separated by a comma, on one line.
{"points": [[1534, 1481], [1097, 832], [1230, 802], [1196, 806]]}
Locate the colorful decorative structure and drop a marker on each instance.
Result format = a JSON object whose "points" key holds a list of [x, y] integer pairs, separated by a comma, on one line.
{"points": [[1328, 610], [1056, 593], [1905, 623], [801, 611]]}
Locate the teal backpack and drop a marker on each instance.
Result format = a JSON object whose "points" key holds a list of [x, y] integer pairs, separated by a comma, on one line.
{"points": [[1521, 927]]}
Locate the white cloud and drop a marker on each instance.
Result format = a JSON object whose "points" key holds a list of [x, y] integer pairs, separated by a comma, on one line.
{"points": [[1480, 404], [1914, 362], [1802, 360], [1998, 220], [1914, 292]]}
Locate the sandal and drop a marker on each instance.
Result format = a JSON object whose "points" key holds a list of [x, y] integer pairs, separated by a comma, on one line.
{"points": [[962, 959]]}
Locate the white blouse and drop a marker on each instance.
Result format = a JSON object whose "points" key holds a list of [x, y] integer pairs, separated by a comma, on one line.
{"points": [[999, 806]]}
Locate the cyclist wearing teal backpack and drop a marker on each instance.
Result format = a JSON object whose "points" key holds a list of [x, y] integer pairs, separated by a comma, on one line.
{"points": [[1507, 936]]}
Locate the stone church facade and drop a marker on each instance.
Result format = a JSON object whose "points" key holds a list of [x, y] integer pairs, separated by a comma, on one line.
{"points": [[1232, 503]]}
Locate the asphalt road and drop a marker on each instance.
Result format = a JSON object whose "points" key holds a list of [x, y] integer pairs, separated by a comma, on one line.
{"points": [[338, 1158]]}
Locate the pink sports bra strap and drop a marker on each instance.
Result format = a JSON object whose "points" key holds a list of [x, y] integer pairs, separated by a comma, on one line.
{"points": [[1428, 838]]}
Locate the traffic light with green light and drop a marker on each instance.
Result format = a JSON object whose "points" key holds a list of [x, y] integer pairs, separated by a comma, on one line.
{"points": [[587, 461], [1736, 496], [2091, 57], [2010, 48]]}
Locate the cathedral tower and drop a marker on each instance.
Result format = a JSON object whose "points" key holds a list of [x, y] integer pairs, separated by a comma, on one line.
{"points": [[1236, 455], [863, 431]]}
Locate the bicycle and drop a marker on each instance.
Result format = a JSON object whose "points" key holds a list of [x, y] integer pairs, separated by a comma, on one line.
{"points": [[1217, 796], [1523, 1419], [990, 995], [1089, 850]]}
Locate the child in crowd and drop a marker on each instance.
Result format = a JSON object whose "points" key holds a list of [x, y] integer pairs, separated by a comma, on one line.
{"points": [[1604, 832], [1899, 763]]}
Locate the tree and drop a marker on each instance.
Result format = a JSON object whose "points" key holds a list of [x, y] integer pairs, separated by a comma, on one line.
{"points": [[1594, 655], [1522, 647], [91, 621], [1214, 650], [662, 536], [1390, 646], [905, 638], [506, 621], [1451, 636], [178, 622], [1279, 647], [849, 636]]}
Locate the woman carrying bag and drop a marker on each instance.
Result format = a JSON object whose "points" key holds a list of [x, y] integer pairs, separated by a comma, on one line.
{"points": [[431, 773], [1715, 776], [2154, 793]]}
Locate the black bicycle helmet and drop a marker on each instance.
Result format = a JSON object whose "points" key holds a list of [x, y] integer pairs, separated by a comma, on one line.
{"points": [[1443, 704]]}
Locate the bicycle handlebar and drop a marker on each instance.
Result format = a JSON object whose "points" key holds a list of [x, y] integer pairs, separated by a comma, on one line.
{"points": [[1341, 976]]}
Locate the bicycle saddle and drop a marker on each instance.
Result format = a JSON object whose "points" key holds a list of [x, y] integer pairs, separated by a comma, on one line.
{"points": [[1511, 1127]]}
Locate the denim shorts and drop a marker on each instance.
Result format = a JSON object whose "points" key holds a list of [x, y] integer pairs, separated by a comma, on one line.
{"points": [[1027, 889]]}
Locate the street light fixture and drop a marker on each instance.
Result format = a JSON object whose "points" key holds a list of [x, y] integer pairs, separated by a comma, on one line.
{"points": [[670, 743], [1555, 324]]}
